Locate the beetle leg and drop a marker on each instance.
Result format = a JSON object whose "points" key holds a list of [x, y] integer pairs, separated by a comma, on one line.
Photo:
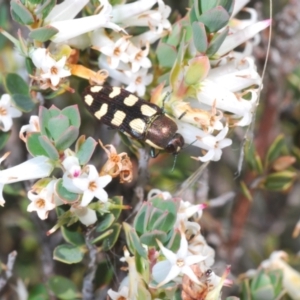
{"points": [[152, 152]]}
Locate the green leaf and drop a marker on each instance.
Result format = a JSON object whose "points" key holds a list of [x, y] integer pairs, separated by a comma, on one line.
{"points": [[15, 84], [67, 138], [20, 13], [73, 235], [46, 8], [110, 241], [63, 288], [200, 37], [105, 222], [279, 181], [228, 5], [43, 34], [44, 117], [33, 144], [23, 102], [118, 200], [133, 241], [38, 292], [64, 194], [4, 136], [276, 277], [142, 217], [149, 238], [275, 149], [215, 19], [166, 55], [197, 70], [207, 5], [57, 126], [72, 113], [52, 153], [54, 111], [216, 42], [29, 66], [86, 150], [68, 254], [261, 288]]}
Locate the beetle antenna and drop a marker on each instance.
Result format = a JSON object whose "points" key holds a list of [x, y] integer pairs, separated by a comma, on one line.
{"points": [[190, 144], [174, 163]]}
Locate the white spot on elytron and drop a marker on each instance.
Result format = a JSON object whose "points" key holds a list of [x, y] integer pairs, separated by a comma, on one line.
{"points": [[153, 145], [138, 125], [102, 111], [115, 92], [131, 100], [88, 99], [96, 88], [118, 118], [148, 110]]}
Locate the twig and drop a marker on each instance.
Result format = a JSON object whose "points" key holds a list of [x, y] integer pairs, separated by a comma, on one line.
{"points": [[9, 267], [88, 287]]}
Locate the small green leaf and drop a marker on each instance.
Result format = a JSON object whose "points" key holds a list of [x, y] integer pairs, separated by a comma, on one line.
{"points": [[216, 42], [68, 254], [207, 5], [105, 222], [228, 5], [215, 19], [29, 66], [73, 235], [166, 55], [118, 200], [72, 113], [46, 8], [110, 241], [4, 136], [43, 34], [279, 181], [38, 292], [54, 111], [200, 37], [142, 217], [67, 138], [33, 144], [86, 150], [196, 70], [64, 194], [44, 117], [275, 149], [52, 153], [23, 102], [261, 287], [133, 241], [63, 288], [15, 84], [20, 13], [57, 126], [246, 192], [149, 238]]}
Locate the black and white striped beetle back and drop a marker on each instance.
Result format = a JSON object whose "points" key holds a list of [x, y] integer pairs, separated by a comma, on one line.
{"points": [[135, 117]]}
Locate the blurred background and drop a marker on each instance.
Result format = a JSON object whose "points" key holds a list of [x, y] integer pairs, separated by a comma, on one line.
{"points": [[260, 205]]}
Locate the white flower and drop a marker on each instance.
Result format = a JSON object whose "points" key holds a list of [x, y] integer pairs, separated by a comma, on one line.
{"points": [[92, 186], [187, 210], [138, 57], [48, 67], [85, 215], [69, 29], [37, 167], [115, 51], [33, 126], [176, 264], [123, 293], [66, 10], [157, 20], [214, 145], [7, 112], [42, 202], [242, 36]]}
